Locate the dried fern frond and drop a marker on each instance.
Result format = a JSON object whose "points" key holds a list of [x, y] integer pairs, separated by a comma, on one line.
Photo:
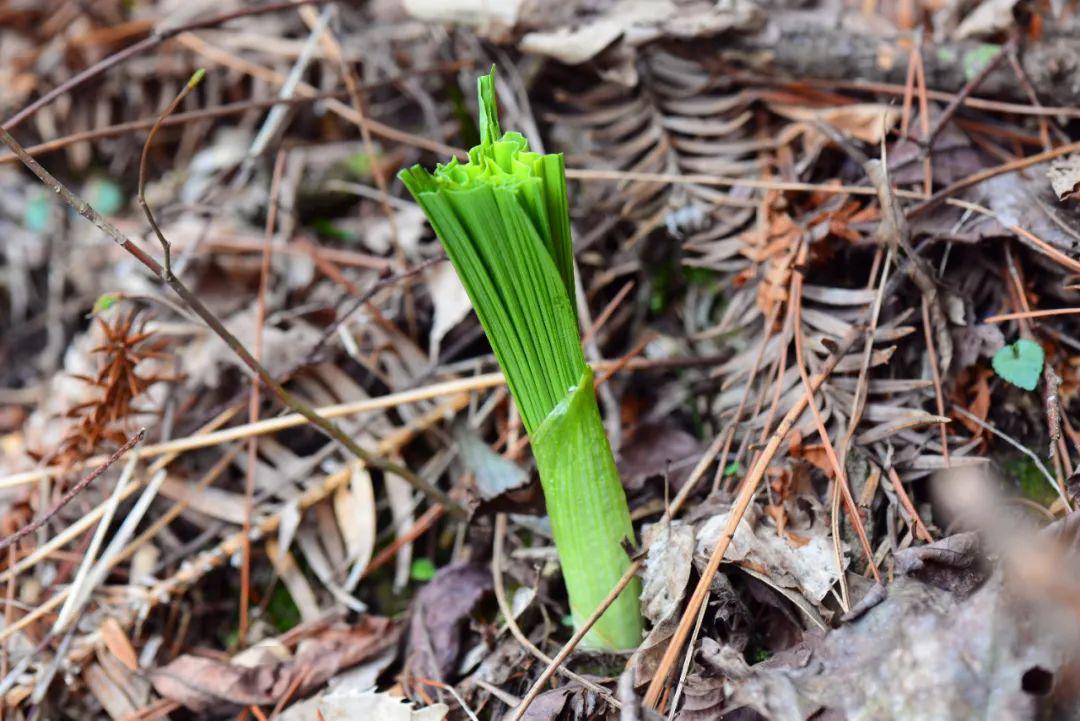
{"points": [[119, 382]]}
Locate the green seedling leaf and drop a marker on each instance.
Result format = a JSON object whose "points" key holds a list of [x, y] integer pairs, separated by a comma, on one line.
{"points": [[106, 301], [104, 195], [327, 229], [978, 58], [1032, 482], [1020, 363], [422, 570], [732, 469], [37, 215], [358, 165], [281, 611]]}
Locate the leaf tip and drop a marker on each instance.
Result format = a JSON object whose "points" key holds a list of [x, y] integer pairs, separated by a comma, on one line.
{"points": [[489, 108]]}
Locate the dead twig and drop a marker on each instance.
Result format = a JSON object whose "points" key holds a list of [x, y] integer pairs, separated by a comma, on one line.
{"points": [[255, 396], [1045, 313], [970, 87], [72, 492], [157, 38], [935, 374], [195, 303], [237, 108], [166, 248], [905, 500]]}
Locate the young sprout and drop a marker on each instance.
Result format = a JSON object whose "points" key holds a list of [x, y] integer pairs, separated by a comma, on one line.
{"points": [[502, 218]]}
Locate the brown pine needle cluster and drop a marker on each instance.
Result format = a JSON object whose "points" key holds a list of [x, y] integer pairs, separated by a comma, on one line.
{"points": [[102, 422]]}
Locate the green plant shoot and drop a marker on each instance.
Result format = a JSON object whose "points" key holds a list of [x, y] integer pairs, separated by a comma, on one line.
{"points": [[1020, 363], [502, 218]]}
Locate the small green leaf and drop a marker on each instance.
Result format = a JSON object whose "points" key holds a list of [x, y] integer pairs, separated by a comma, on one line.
{"points": [[326, 228], [358, 165], [106, 301], [37, 215], [422, 570], [1032, 482], [281, 611], [732, 469], [104, 195], [978, 58], [1020, 363]]}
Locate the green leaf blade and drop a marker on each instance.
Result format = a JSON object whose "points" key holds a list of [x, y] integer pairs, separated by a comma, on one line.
{"points": [[1020, 363], [589, 516]]}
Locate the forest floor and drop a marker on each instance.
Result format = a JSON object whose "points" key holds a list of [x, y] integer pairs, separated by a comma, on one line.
{"points": [[257, 459]]}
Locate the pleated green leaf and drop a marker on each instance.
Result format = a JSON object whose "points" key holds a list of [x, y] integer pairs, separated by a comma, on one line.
{"points": [[504, 222], [588, 512]]}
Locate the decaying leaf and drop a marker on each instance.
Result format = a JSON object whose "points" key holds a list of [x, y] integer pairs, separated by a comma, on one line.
{"points": [[118, 644], [920, 655], [202, 684], [987, 19], [567, 703], [494, 474], [717, 668], [573, 46], [1028, 202], [954, 563], [638, 22], [354, 506], [667, 568], [1064, 175], [866, 122], [466, 12], [658, 449], [809, 567], [439, 614], [283, 349], [350, 705], [451, 303]]}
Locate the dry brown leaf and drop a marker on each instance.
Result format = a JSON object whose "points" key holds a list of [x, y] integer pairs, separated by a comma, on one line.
{"points": [[867, 122], [667, 568], [354, 506], [465, 12], [1064, 175], [658, 449], [565, 704], [451, 303], [118, 644], [493, 474], [295, 581], [202, 684], [108, 693], [638, 22], [439, 613], [809, 567], [916, 419]]}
